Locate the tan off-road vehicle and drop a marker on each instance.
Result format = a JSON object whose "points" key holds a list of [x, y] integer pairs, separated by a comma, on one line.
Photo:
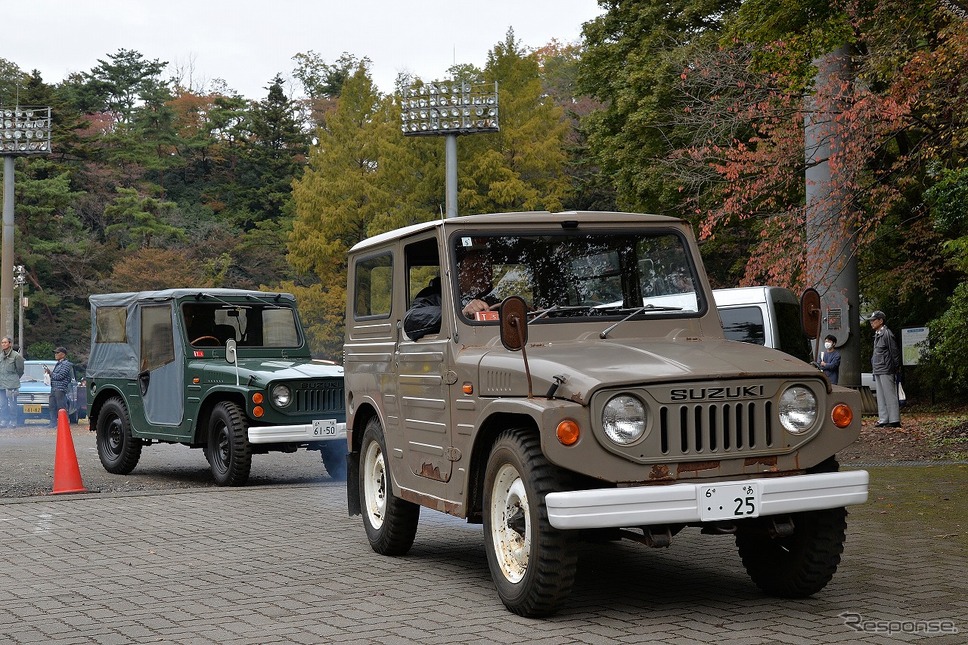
{"points": [[567, 376]]}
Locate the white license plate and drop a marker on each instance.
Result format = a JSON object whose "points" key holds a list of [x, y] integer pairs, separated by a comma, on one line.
{"points": [[729, 501], [324, 427]]}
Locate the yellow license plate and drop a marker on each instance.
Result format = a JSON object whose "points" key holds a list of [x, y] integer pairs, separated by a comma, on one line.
{"points": [[33, 409]]}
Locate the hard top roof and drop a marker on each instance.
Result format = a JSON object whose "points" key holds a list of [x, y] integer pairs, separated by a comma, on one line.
{"points": [[504, 219]]}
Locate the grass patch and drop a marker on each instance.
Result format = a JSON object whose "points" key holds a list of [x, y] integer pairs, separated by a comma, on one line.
{"points": [[927, 499]]}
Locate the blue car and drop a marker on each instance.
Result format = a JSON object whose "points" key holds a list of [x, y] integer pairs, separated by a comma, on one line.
{"points": [[33, 400]]}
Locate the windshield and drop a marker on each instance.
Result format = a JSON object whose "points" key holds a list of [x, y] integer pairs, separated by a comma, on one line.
{"points": [[580, 273], [34, 371], [250, 325]]}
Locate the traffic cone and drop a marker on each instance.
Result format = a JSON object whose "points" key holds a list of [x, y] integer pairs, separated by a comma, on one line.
{"points": [[67, 474]]}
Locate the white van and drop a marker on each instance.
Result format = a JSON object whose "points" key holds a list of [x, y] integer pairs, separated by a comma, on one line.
{"points": [[767, 316]]}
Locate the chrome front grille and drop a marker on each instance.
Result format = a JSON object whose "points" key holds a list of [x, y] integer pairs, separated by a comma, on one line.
{"points": [[715, 429]]}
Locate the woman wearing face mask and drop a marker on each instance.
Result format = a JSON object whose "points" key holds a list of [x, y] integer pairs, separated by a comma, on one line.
{"points": [[830, 359]]}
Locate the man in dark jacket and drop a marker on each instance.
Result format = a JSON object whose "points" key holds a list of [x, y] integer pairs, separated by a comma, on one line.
{"points": [[60, 382], [885, 364]]}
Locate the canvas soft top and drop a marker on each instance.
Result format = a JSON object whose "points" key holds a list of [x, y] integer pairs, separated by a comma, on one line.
{"points": [[119, 359], [131, 297]]}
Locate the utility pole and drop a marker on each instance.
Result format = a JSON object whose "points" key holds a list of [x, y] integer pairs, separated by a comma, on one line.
{"points": [[19, 278], [831, 244]]}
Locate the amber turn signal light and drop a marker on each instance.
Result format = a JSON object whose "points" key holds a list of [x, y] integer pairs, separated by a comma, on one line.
{"points": [[257, 411], [568, 432], [467, 388], [257, 398], [842, 415]]}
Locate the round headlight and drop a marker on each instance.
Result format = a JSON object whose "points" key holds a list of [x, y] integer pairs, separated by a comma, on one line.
{"points": [[623, 419], [798, 409], [281, 396]]}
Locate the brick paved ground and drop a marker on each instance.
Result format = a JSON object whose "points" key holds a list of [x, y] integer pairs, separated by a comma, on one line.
{"points": [[286, 565]]}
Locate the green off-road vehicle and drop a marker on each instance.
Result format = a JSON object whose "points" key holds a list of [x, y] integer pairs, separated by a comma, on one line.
{"points": [[592, 394], [224, 370]]}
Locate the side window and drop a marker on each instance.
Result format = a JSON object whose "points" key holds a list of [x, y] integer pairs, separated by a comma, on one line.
{"points": [[373, 287], [157, 341], [111, 325], [744, 324]]}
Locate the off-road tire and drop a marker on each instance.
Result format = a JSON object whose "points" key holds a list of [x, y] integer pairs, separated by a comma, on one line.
{"points": [[334, 459], [390, 522], [532, 564], [228, 451], [801, 564], [118, 450]]}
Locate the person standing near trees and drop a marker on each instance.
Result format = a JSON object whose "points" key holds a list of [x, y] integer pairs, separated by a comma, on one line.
{"points": [[60, 383], [11, 369], [885, 364]]}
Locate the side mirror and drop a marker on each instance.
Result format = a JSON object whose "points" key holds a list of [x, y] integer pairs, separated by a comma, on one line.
{"points": [[513, 316], [810, 313], [230, 351]]}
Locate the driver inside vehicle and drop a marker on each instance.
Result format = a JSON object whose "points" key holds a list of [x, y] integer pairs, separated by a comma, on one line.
{"points": [[475, 276], [200, 325]]}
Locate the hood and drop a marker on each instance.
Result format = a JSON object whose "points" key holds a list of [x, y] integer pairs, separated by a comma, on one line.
{"points": [[589, 363], [264, 370]]}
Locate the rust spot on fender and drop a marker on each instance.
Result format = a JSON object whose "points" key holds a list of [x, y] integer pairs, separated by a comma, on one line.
{"points": [[766, 460], [659, 472], [451, 508], [430, 471], [696, 466]]}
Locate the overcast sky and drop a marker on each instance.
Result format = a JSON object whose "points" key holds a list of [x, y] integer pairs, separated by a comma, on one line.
{"points": [[246, 43]]}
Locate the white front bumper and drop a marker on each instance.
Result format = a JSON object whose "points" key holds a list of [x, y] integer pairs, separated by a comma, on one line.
{"points": [[679, 503], [293, 434]]}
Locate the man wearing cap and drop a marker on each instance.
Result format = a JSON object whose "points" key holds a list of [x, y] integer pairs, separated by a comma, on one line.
{"points": [[885, 364], [60, 383]]}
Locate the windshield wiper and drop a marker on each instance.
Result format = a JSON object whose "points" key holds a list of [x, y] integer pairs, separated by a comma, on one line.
{"points": [[273, 305], [606, 331], [562, 308]]}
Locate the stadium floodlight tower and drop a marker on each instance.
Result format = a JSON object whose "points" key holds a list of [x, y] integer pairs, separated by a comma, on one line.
{"points": [[449, 109], [23, 131]]}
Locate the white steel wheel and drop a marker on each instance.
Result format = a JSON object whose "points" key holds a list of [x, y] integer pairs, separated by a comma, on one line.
{"points": [[374, 485], [390, 522], [532, 563], [510, 526]]}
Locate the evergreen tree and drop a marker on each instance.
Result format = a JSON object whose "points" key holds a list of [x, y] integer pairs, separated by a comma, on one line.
{"points": [[270, 159]]}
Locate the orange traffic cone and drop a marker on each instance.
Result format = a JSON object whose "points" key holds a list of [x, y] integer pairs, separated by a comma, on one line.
{"points": [[67, 474]]}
